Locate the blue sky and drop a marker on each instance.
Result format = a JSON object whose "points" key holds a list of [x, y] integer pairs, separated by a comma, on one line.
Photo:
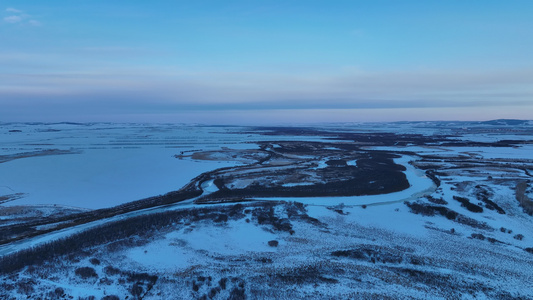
{"points": [[265, 61]]}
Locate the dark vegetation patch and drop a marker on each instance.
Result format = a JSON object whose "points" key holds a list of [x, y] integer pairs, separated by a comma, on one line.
{"points": [[505, 230], [9, 157], [482, 194], [425, 277], [519, 237], [376, 173], [206, 287], [505, 122], [338, 209], [264, 260], [369, 138], [380, 138], [304, 275], [336, 162], [468, 205], [25, 287], [433, 176], [58, 293], [273, 243], [381, 254], [462, 219], [523, 199], [297, 211], [434, 200], [479, 236], [139, 283], [431, 210], [10, 197], [371, 253], [494, 241], [86, 272], [266, 215]]}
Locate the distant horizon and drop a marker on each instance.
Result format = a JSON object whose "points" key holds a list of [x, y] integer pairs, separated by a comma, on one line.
{"points": [[259, 125], [239, 61]]}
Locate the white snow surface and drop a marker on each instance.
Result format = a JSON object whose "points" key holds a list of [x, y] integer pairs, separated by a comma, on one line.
{"points": [[189, 246], [116, 163], [143, 165]]}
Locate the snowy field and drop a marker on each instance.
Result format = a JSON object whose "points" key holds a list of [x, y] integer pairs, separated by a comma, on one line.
{"points": [[458, 231]]}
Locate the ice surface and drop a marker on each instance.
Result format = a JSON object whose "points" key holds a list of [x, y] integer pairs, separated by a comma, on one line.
{"points": [[117, 163]]}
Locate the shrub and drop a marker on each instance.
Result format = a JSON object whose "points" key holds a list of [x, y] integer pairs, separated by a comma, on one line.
{"points": [[136, 277], [86, 272], [59, 292], [136, 290], [195, 287], [237, 294], [94, 261], [439, 201], [519, 237], [470, 206], [273, 243], [372, 254], [222, 282], [478, 236], [109, 270], [221, 218], [213, 292]]}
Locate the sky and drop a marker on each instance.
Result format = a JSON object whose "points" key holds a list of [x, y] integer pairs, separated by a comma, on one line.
{"points": [[262, 62]]}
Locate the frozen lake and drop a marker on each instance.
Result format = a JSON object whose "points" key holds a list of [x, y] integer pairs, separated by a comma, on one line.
{"points": [[110, 164]]}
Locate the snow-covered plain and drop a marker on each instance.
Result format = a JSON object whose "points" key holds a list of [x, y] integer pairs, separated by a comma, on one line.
{"points": [[364, 247]]}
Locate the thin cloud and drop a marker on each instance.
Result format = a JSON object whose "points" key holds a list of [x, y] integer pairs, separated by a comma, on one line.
{"points": [[13, 10], [18, 16], [13, 19], [35, 23]]}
